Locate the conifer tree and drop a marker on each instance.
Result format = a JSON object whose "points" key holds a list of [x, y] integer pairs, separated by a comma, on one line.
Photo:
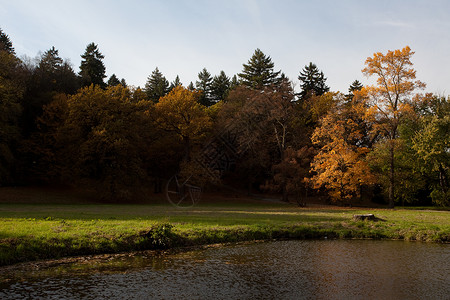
{"points": [[355, 86], [113, 80], [204, 85], [258, 72], [312, 82], [220, 86], [5, 43], [175, 83], [92, 69], [157, 86], [234, 82]]}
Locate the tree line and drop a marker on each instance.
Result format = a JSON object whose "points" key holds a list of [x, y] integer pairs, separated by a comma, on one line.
{"points": [[387, 142]]}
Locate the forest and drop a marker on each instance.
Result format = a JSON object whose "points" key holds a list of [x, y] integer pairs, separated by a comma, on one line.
{"points": [[387, 142]]}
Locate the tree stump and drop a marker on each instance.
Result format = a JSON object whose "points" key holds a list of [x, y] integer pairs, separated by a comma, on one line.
{"points": [[369, 217]]}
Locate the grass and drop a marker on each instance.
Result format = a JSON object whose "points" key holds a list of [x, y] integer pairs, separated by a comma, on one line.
{"points": [[31, 231]]}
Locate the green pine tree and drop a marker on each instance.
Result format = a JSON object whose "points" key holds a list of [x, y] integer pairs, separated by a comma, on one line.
{"points": [[157, 86], [258, 72], [220, 87], [5, 43], [175, 83], [355, 86], [92, 69], [204, 85], [113, 80], [312, 81]]}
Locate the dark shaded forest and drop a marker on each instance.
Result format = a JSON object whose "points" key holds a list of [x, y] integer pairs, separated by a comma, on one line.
{"points": [[387, 142]]}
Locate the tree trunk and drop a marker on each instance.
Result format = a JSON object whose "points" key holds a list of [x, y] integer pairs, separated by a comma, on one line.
{"points": [[391, 175], [443, 179], [285, 194]]}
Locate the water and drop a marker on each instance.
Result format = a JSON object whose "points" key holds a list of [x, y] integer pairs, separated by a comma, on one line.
{"points": [[277, 270]]}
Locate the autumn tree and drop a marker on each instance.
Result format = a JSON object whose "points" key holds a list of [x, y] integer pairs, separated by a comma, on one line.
{"points": [[179, 112], [204, 86], [340, 164], [92, 69], [392, 98], [312, 82], [157, 86], [261, 122], [259, 71], [104, 137]]}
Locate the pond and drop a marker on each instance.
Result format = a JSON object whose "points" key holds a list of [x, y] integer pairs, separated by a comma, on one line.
{"points": [[325, 269]]}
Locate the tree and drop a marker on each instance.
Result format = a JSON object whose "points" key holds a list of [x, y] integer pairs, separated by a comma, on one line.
{"points": [[12, 88], [92, 69], [179, 112], [234, 83], [177, 81], [312, 82], [258, 72], [432, 145], [391, 100], [51, 75], [340, 166], [204, 86], [103, 140], [156, 86], [113, 80], [355, 86], [220, 87], [5, 43]]}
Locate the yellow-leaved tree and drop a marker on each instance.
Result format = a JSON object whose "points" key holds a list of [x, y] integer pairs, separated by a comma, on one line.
{"points": [[340, 166], [392, 99], [180, 113]]}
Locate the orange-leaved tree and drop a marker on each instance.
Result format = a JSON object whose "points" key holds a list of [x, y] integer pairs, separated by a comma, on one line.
{"points": [[340, 164], [392, 98], [181, 113]]}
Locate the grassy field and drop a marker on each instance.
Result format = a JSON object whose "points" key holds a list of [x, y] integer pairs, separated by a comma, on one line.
{"points": [[32, 229]]}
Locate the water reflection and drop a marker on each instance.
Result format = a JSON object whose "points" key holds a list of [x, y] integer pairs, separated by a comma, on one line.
{"points": [[278, 270]]}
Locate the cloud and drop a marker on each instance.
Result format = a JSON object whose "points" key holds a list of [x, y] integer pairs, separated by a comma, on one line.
{"points": [[396, 24]]}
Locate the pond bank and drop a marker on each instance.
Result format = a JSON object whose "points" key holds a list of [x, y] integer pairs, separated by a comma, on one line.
{"points": [[39, 232]]}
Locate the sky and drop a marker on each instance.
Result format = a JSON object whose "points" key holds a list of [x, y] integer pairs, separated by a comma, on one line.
{"points": [[183, 37]]}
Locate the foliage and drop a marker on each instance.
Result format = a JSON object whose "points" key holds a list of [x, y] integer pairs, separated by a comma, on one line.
{"points": [[12, 88], [220, 86], [113, 80], [156, 86], [258, 72], [312, 82], [5, 43], [179, 112], [92, 69], [391, 99], [104, 138], [432, 145], [355, 86], [340, 164], [204, 86]]}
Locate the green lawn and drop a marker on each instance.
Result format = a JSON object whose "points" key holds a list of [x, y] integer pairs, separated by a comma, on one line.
{"points": [[42, 231]]}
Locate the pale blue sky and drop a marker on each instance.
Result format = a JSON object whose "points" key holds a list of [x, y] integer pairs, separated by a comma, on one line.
{"points": [[182, 37]]}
